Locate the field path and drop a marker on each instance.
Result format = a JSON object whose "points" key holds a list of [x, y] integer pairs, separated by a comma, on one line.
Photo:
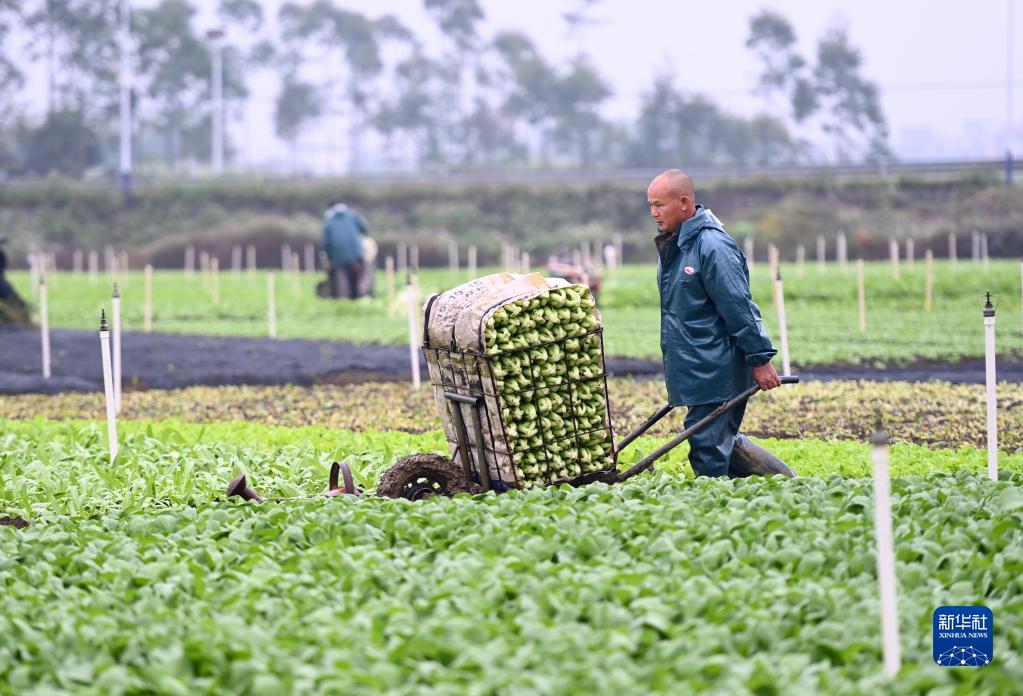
{"points": [[168, 361]]}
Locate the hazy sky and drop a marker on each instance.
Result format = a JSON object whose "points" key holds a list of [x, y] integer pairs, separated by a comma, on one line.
{"points": [[941, 64]]}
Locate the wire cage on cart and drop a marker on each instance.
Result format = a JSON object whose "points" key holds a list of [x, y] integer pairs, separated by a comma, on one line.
{"points": [[546, 420]]}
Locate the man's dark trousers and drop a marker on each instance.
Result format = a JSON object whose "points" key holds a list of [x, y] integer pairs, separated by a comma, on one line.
{"points": [[711, 448]]}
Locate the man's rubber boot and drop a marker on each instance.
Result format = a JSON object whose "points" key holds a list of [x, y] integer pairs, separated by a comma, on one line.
{"points": [[750, 459]]}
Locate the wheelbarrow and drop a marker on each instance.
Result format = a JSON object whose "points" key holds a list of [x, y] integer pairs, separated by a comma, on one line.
{"points": [[421, 476]]}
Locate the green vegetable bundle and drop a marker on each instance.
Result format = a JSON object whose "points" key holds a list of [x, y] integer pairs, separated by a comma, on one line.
{"points": [[548, 374]]}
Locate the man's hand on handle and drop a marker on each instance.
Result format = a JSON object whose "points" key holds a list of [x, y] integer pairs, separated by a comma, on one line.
{"points": [[766, 376]]}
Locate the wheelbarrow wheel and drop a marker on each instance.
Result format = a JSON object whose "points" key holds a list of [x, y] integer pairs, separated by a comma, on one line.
{"points": [[421, 476]]}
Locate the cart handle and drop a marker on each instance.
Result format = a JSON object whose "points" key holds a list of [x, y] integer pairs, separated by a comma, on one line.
{"points": [[649, 460]]}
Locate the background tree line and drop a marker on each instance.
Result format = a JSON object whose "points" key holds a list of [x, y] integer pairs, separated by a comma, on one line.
{"points": [[482, 100]]}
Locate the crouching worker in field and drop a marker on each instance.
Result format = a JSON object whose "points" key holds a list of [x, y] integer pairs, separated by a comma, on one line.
{"points": [[344, 231], [712, 336], [13, 309]]}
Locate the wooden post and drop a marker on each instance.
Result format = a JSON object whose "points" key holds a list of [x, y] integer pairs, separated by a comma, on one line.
{"points": [[619, 251], [821, 252], [783, 331], [800, 260], [310, 257], [93, 267], [953, 252], [285, 258], [250, 253], [471, 261], [910, 254], [861, 295], [147, 316], [271, 306], [115, 346], [524, 263], [772, 259], [44, 326], [389, 275], [108, 385], [236, 261], [885, 541], [928, 280], [413, 333], [189, 260], [975, 246], [76, 262], [842, 251]]}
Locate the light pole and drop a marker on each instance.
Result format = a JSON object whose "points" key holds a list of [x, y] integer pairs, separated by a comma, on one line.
{"points": [[124, 41], [217, 107]]}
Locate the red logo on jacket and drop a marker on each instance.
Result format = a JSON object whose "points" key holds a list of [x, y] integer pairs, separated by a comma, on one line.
{"points": [[689, 270]]}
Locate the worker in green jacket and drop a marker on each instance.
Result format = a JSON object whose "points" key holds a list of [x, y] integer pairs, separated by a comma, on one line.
{"points": [[712, 335], [343, 233]]}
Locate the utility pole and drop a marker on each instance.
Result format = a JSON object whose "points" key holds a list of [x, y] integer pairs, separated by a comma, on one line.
{"points": [[217, 107], [1008, 93], [124, 41]]}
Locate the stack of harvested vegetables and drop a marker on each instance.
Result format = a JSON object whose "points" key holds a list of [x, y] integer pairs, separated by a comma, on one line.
{"points": [[537, 359]]}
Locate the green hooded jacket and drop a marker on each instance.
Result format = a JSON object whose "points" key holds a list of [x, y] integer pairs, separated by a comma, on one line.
{"points": [[712, 334]]}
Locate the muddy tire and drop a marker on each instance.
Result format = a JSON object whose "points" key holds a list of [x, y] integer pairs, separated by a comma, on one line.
{"points": [[421, 476]]}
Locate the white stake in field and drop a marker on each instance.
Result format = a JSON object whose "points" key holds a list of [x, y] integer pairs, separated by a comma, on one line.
{"points": [[928, 280], [953, 252], [992, 403], [189, 260], [215, 280], [893, 253], [842, 251], [453, 256], [44, 326], [93, 267], [76, 262], [471, 261], [236, 260], [884, 538], [115, 311], [389, 281], [861, 295], [310, 257], [412, 290], [108, 385], [250, 254], [783, 330], [822, 251], [147, 310], [910, 254], [271, 306], [800, 260]]}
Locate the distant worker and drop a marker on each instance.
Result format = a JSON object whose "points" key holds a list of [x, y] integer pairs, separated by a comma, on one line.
{"points": [[344, 232], [712, 335], [13, 309]]}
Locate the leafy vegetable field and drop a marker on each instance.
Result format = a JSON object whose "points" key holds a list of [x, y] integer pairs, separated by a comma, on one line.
{"points": [[821, 309], [659, 585], [141, 577]]}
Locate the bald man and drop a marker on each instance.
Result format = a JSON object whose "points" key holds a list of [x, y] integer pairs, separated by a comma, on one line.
{"points": [[712, 336]]}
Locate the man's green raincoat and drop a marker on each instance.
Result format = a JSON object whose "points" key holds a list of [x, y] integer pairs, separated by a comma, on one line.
{"points": [[711, 331]]}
